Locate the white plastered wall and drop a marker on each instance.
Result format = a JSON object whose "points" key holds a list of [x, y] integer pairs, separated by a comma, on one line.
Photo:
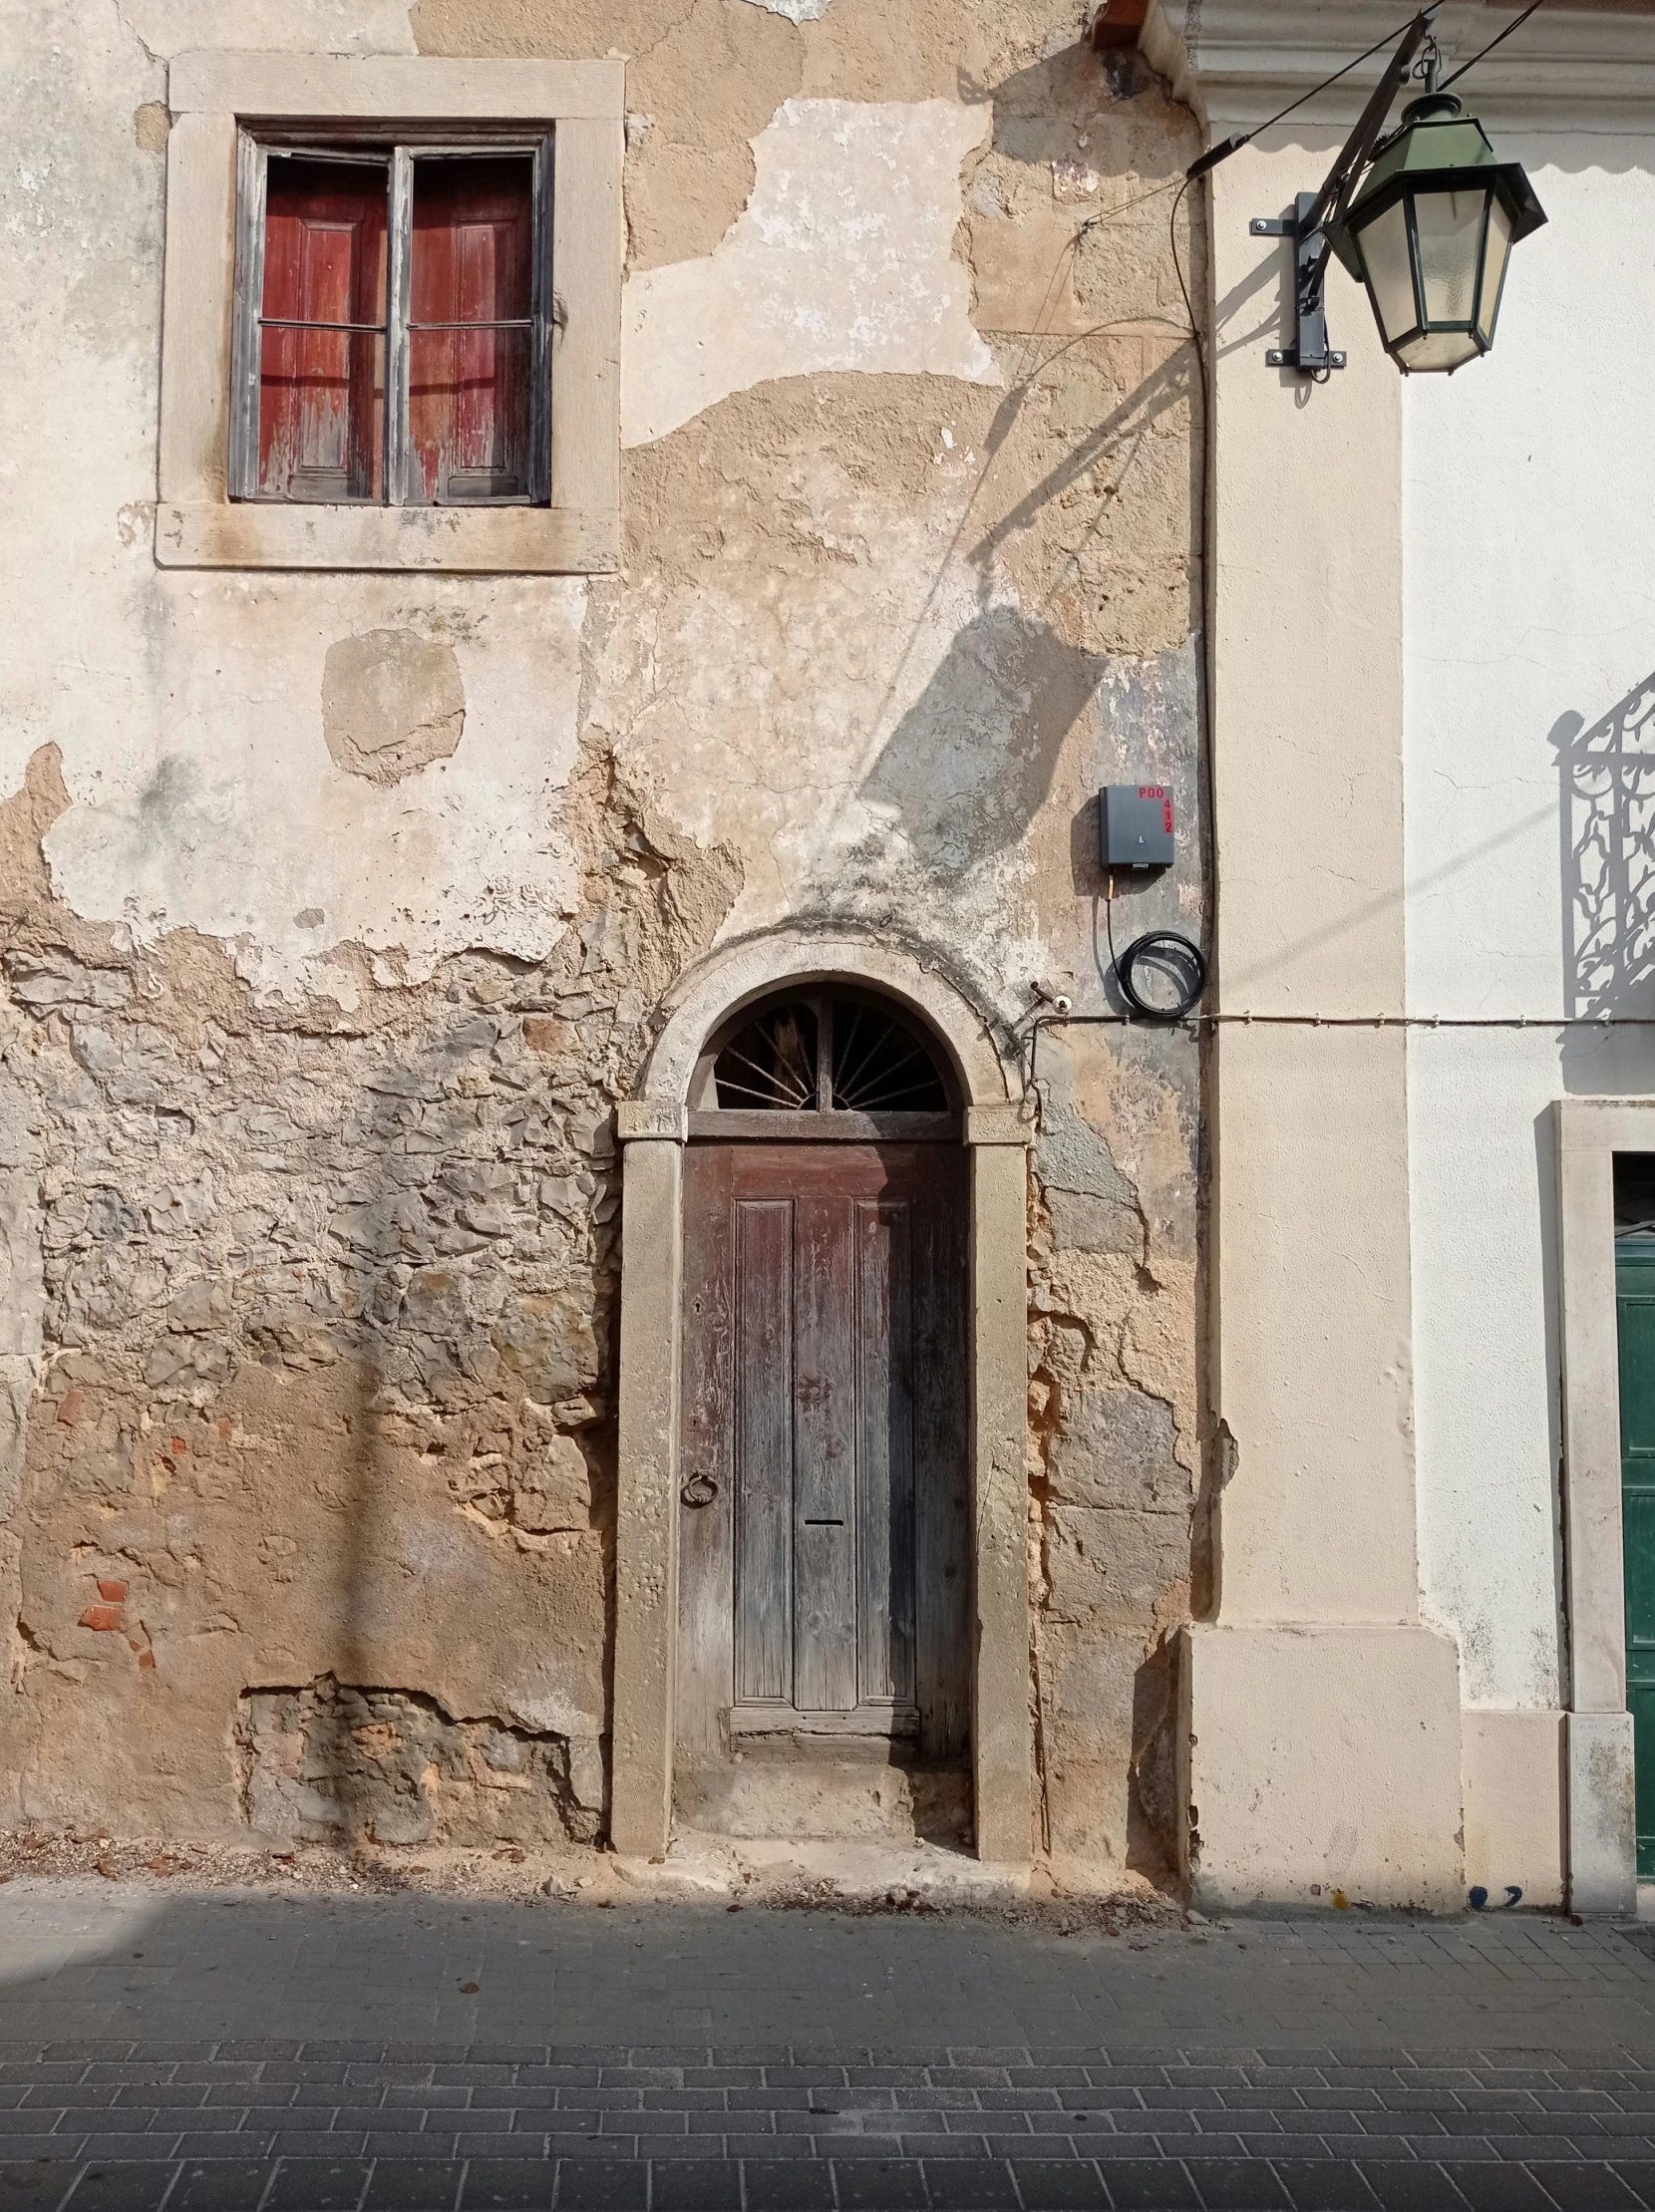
{"points": [[1530, 594], [1525, 613]]}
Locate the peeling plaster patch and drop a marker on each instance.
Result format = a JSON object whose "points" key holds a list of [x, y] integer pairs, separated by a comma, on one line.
{"points": [[842, 259], [151, 126], [169, 26], [226, 814], [392, 701], [795, 11], [1093, 1208]]}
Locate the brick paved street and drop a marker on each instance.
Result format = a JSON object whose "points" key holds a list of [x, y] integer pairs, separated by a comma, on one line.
{"points": [[313, 2055]]}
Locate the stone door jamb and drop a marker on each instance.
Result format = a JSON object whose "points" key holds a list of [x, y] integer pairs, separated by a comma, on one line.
{"points": [[1601, 1855], [652, 1131]]}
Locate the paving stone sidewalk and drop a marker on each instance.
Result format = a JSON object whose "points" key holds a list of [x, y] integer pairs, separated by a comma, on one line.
{"points": [[278, 2055]]}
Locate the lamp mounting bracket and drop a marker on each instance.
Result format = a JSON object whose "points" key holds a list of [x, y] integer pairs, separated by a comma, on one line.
{"points": [[1309, 353]]}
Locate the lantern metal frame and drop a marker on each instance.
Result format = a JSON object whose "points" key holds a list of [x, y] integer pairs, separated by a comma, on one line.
{"points": [[1358, 184], [1409, 166]]}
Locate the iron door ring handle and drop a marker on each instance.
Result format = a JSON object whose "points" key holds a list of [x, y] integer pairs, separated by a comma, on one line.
{"points": [[700, 1489]]}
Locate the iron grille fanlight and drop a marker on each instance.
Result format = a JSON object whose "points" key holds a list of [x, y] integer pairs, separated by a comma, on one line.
{"points": [[771, 1063], [1430, 233], [876, 1064]]}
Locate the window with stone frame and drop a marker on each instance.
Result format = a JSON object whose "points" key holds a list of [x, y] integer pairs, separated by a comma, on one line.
{"points": [[391, 321]]}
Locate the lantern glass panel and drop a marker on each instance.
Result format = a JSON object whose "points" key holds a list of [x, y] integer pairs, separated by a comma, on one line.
{"points": [[1494, 268], [1439, 349], [1449, 226], [1383, 245]]}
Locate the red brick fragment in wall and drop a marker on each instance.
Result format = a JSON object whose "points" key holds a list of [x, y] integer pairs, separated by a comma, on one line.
{"points": [[69, 1412], [101, 1616], [113, 1591], [1118, 23], [544, 1035]]}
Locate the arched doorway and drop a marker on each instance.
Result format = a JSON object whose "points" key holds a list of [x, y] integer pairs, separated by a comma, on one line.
{"points": [[657, 1131], [824, 1535]]}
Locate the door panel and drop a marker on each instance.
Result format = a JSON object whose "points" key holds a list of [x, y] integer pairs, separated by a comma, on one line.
{"points": [[824, 1564], [884, 1452], [1635, 1300], [824, 1499], [706, 1535], [763, 1251]]}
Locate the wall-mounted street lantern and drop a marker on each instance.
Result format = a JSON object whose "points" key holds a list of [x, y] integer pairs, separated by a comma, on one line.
{"points": [[1429, 233], [1426, 218]]}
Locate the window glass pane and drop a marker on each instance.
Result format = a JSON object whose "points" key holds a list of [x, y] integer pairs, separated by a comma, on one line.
{"points": [[472, 265], [1636, 1198], [1384, 248], [321, 413], [1494, 268], [1451, 238]]}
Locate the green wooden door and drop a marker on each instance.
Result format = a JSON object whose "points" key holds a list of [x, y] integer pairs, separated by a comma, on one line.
{"points": [[1635, 1302]]}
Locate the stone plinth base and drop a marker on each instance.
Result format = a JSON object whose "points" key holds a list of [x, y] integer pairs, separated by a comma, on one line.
{"points": [[1603, 1843], [1322, 1758], [1512, 1763]]}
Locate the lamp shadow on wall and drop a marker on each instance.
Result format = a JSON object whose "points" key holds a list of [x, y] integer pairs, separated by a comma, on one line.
{"points": [[1008, 688], [1006, 650], [971, 762]]}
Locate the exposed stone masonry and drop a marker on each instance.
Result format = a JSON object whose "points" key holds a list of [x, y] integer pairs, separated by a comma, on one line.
{"points": [[327, 1764], [327, 1305]]}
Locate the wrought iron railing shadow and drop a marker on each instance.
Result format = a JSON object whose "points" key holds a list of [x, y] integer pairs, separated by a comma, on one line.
{"points": [[1607, 833]]}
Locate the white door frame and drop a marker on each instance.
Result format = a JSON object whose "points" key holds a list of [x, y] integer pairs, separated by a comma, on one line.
{"points": [[1601, 1845]]}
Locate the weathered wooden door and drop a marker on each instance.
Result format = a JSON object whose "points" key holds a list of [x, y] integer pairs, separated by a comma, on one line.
{"points": [[825, 1534]]}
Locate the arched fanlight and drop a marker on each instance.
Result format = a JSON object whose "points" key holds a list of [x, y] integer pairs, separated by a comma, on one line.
{"points": [[1429, 233]]}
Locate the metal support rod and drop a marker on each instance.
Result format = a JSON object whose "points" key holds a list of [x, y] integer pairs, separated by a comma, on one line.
{"points": [[1314, 212]]}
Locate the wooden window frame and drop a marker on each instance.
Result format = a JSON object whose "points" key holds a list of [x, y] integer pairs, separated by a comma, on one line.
{"points": [[225, 106], [397, 153]]}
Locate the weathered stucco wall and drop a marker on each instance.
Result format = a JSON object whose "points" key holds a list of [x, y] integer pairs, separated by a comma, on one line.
{"points": [[338, 910]]}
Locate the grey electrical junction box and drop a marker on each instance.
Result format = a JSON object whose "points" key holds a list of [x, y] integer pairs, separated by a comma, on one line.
{"points": [[1135, 824]]}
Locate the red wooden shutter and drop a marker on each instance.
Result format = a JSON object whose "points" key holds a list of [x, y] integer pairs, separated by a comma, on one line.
{"points": [[472, 264], [321, 423]]}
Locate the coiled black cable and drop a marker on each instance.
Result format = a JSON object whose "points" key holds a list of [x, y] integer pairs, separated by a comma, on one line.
{"points": [[1168, 947]]}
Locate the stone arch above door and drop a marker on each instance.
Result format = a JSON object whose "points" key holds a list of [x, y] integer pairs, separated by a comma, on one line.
{"points": [[731, 977]]}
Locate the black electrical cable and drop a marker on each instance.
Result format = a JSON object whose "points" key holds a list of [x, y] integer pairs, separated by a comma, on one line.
{"points": [[1237, 140], [1515, 24], [1234, 144], [1165, 946]]}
